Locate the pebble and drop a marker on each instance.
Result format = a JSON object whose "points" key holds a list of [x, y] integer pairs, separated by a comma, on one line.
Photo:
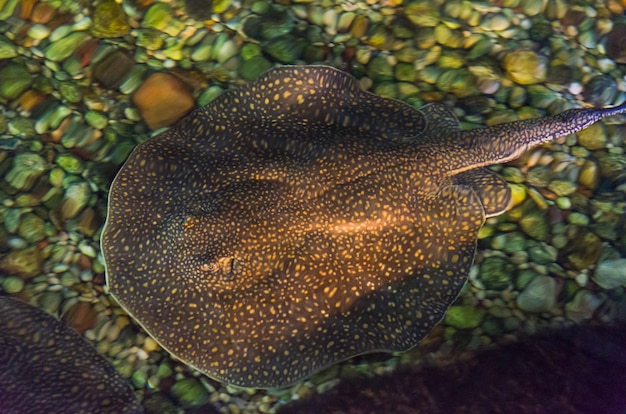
{"points": [[15, 80], [25, 263], [190, 393], [583, 306], [112, 70], [81, 316], [495, 273], [12, 284], [610, 274], [525, 66], [162, 100], [464, 317], [64, 47], [538, 296], [615, 43], [109, 20]]}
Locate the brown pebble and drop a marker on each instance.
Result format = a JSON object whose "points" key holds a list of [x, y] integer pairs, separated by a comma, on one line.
{"points": [[26, 9], [162, 100], [85, 52], [111, 70], [616, 43], [30, 99], [90, 221], [81, 316], [42, 13]]}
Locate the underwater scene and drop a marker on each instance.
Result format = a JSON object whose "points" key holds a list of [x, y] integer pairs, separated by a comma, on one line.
{"points": [[313, 206]]}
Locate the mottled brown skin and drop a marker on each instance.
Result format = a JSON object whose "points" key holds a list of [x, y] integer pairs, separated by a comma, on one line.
{"points": [[46, 367], [578, 370], [300, 221]]}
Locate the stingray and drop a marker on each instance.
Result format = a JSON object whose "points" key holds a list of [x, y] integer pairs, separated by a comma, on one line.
{"points": [[300, 221], [46, 367]]}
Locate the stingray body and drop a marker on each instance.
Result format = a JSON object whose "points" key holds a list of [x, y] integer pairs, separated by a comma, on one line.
{"points": [[46, 367], [300, 221]]}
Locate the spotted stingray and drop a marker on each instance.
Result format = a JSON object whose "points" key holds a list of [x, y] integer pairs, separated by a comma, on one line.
{"points": [[46, 367], [300, 221]]}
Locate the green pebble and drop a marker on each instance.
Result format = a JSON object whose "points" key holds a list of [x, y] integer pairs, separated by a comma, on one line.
{"points": [[12, 284], [387, 90], [87, 250], [38, 31], [542, 254], [250, 50], [69, 163], [540, 96], [64, 47], [252, 68], [96, 119], [578, 219], [109, 20], [464, 316], [562, 187], [164, 371], [593, 137], [32, 228], [7, 48], [22, 127], [495, 273], [512, 175], [76, 198], [139, 378], [285, 49], [515, 242], [405, 72], [149, 39], [379, 69], [564, 203], [27, 168], [70, 92], [68, 279], [535, 224], [15, 80], [190, 393]]}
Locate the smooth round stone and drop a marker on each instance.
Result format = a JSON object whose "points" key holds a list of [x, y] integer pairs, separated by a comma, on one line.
{"points": [[38, 31], [542, 254], [162, 100], [564, 203], [15, 80], [562, 188], [600, 90], [69, 163], [63, 48], [593, 137], [538, 296], [76, 198], [32, 228], [495, 273], [12, 284], [535, 224], [583, 306], [610, 274], [27, 168], [190, 393], [285, 49], [525, 66], [252, 68], [464, 317], [589, 174], [578, 219], [109, 20], [496, 22]]}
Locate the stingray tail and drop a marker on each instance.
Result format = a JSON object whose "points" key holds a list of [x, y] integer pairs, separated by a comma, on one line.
{"points": [[506, 142]]}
